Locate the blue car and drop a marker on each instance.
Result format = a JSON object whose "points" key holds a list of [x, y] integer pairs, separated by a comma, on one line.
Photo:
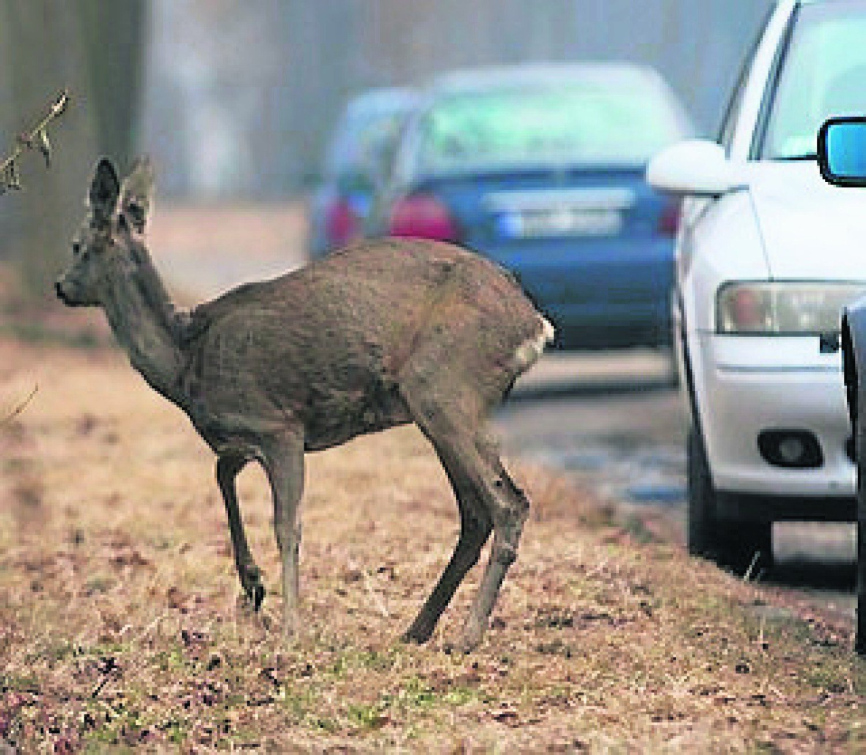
{"points": [[541, 168], [356, 157]]}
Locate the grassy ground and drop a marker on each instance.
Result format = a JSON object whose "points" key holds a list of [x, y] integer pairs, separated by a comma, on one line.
{"points": [[120, 625]]}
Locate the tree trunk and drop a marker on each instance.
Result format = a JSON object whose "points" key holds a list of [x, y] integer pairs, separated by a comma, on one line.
{"points": [[94, 49], [114, 35], [43, 55]]}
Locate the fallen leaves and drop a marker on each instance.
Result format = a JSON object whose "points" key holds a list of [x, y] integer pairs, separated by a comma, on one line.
{"points": [[133, 638]]}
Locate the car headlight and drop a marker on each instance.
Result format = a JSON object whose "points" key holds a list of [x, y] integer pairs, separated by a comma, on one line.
{"points": [[783, 307]]}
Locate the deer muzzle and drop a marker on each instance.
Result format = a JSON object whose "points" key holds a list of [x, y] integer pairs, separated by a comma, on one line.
{"points": [[63, 294]]}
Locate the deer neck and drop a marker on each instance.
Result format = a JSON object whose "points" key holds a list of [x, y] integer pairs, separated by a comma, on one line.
{"points": [[147, 326]]}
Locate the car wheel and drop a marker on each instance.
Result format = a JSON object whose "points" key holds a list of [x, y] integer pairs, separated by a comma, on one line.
{"points": [[744, 547], [702, 529], [860, 633]]}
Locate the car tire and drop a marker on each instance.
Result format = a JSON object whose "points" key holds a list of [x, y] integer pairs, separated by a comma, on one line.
{"points": [[744, 547], [701, 530]]}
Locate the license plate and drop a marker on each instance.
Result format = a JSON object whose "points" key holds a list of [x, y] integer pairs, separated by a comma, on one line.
{"points": [[565, 221]]}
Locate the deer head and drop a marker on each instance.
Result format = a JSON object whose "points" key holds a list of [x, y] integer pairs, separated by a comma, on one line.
{"points": [[108, 245]]}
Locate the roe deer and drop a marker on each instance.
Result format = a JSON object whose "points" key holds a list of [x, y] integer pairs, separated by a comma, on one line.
{"points": [[381, 334]]}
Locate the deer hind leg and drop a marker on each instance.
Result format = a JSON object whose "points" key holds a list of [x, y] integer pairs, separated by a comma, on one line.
{"points": [[284, 465], [510, 510], [475, 527], [454, 425], [250, 575]]}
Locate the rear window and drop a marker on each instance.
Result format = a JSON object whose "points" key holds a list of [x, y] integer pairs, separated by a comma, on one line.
{"points": [[574, 123], [361, 140]]}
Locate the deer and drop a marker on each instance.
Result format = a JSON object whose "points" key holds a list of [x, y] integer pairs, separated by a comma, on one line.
{"points": [[383, 333]]}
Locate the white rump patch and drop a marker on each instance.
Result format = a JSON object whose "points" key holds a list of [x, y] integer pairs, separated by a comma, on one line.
{"points": [[529, 352]]}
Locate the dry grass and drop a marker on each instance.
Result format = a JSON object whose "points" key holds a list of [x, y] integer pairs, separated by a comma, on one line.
{"points": [[120, 626]]}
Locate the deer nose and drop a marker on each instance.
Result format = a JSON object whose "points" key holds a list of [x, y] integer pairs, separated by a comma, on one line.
{"points": [[58, 289]]}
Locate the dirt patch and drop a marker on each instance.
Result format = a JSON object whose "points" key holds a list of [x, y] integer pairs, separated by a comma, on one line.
{"points": [[120, 625]]}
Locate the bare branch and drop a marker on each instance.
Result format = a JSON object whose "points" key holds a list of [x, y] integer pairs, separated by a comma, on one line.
{"points": [[20, 407], [36, 138]]}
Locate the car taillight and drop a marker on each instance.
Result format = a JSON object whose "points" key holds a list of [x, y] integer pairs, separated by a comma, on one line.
{"points": [[669, 220], [422, 216], [343, 223]]}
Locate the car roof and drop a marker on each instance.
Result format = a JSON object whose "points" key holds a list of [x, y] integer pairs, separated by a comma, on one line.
{"points": [[807, 2], [382, 100], [506, 77]]}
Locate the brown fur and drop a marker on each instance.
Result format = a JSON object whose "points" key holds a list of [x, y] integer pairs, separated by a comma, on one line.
{"points": [[380, 334]]}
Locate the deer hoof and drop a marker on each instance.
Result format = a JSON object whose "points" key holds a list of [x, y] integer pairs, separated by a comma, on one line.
{"points": [[251, 581], [461, 647], [470, 640], [252, 598], [417, 634], [413, 638], [256, 595]]}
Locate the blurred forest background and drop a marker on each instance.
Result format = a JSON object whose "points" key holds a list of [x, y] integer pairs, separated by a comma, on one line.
{"points": [[235, 98]]}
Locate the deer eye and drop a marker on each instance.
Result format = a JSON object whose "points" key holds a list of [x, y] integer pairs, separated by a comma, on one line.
{"points": [[76, 248]]}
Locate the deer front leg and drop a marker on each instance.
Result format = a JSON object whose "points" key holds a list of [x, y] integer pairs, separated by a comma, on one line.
{"points": [[285, 469], [250, 575]]}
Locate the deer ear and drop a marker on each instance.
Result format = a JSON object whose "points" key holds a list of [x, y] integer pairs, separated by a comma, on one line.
{"points": [[104, 190], [136, 195]]}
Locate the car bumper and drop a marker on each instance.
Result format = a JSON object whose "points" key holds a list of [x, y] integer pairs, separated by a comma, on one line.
{"points": [[747, 386], [599, 295]]}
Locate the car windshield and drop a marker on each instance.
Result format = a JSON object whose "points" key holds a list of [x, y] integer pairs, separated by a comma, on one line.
{"points": [[824, 74], [562, 124]]}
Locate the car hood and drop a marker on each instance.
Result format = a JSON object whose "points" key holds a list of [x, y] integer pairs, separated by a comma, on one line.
{"points": [[811, 230]]}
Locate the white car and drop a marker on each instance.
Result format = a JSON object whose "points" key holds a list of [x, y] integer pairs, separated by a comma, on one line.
{"points": [[767, 256]]}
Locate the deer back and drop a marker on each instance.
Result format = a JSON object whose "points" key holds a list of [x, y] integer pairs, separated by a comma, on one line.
{"points": [[326, 344]]}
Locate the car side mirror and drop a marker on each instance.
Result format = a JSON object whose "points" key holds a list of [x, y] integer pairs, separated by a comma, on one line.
{"points": [[842, 151], [696, 167]]}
